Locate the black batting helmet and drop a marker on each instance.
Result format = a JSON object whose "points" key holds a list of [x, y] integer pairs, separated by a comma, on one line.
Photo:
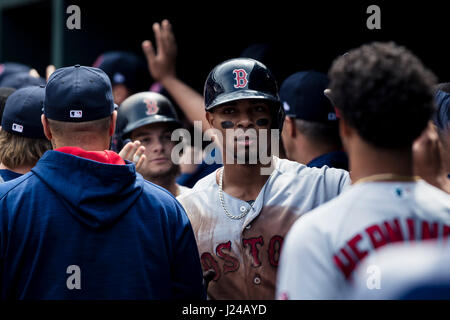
{"points": [[144, 108], [243, 78]]}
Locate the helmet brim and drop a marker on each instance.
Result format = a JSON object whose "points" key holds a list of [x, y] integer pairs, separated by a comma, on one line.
{"points": [[240, 95], [150, 120]]}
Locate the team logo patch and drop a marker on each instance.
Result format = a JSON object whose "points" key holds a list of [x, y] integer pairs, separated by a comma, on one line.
{"points": [[119, 78], [240, 78], [76, 114], [152, 107], [332, 116], [17, 127]]}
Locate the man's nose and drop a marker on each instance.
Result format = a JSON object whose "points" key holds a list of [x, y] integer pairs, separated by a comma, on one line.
{"points": [[157, 146], [245, 121]]}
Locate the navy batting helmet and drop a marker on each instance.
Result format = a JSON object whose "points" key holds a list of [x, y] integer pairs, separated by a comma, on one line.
{"points": [[144, 108], [243, 78]]}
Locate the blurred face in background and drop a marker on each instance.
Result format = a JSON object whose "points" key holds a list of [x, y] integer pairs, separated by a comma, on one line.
{"points": [[120, 93], [156, 138]]}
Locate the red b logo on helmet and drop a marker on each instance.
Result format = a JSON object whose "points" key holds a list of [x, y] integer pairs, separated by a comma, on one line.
{"points": [[241, 78], [152, 108]]}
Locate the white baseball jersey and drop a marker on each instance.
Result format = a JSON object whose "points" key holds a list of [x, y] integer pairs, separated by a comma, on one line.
{"points": [[418, 270], [244, 253], [182, 189], [323, 248]]}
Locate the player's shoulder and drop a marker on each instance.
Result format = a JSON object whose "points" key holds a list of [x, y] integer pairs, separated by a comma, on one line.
{"points": [[156, 194], [296, 174], [17, 185], [183, 189], [202, 186], [432, 197], [329, 215], [285, 166], [425, 190]]}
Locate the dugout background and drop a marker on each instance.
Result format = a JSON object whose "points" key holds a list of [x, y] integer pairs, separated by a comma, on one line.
{"points": [[305, 34]]}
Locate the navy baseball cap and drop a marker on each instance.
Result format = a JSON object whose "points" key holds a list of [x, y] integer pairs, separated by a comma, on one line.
{"points": [[125, 68], [20, 80], [302, 97], [4, 94], [23, 110], [442, 115], [9, 68], [78, 94]]}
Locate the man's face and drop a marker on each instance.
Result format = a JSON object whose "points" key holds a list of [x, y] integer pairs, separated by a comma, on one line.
{"points": [[241, 123], [156, 138], [120, 93]]}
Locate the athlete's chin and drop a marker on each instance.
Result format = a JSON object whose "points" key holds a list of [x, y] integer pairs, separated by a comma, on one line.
{"points": [[160, 170]]}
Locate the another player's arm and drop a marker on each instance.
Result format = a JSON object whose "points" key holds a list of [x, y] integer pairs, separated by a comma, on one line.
{"points": [[162, 67]]}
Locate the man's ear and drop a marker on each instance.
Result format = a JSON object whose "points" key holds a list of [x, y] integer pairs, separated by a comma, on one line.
{"points": [[112, 125], [290, 127], [47, 131]]}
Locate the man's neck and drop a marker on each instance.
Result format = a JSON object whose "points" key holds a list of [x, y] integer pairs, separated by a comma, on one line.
{"points": [[167, 182], [367, 161], [85, 144], [20, 170], [306, 151], [244, 181]]}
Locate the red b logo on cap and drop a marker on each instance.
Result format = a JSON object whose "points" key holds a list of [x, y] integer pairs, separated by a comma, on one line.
{"points": [[241, 78], [152, 108]]}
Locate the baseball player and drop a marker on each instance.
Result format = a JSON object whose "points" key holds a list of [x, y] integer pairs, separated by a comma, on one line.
{"points": [[432, 149], [126, 71], [22, 139], [384, 96], [5, 92], [148, 119], [240, 215], [442, 122], [311, 129]]}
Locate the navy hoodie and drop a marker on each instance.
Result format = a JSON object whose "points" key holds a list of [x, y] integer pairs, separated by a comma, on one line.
{"points": [[75, 228]]}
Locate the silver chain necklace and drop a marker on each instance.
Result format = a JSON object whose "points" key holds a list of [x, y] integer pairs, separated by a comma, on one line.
{"points": [[229, 215]]}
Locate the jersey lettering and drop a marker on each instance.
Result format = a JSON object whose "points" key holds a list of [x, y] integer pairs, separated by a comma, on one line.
{"points": [[231, 263], [275, 250], [252, 242], [208, 262], [378, 235]]}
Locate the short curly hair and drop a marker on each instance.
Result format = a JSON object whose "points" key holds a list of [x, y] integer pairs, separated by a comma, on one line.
{"points": [[385, 92]]}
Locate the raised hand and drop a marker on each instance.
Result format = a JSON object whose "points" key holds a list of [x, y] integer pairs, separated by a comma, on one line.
{"points": [[133, 151], [162, 59]]}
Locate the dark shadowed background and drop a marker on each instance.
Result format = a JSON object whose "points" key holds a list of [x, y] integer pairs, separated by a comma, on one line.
{"points": [[304, 34]]}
